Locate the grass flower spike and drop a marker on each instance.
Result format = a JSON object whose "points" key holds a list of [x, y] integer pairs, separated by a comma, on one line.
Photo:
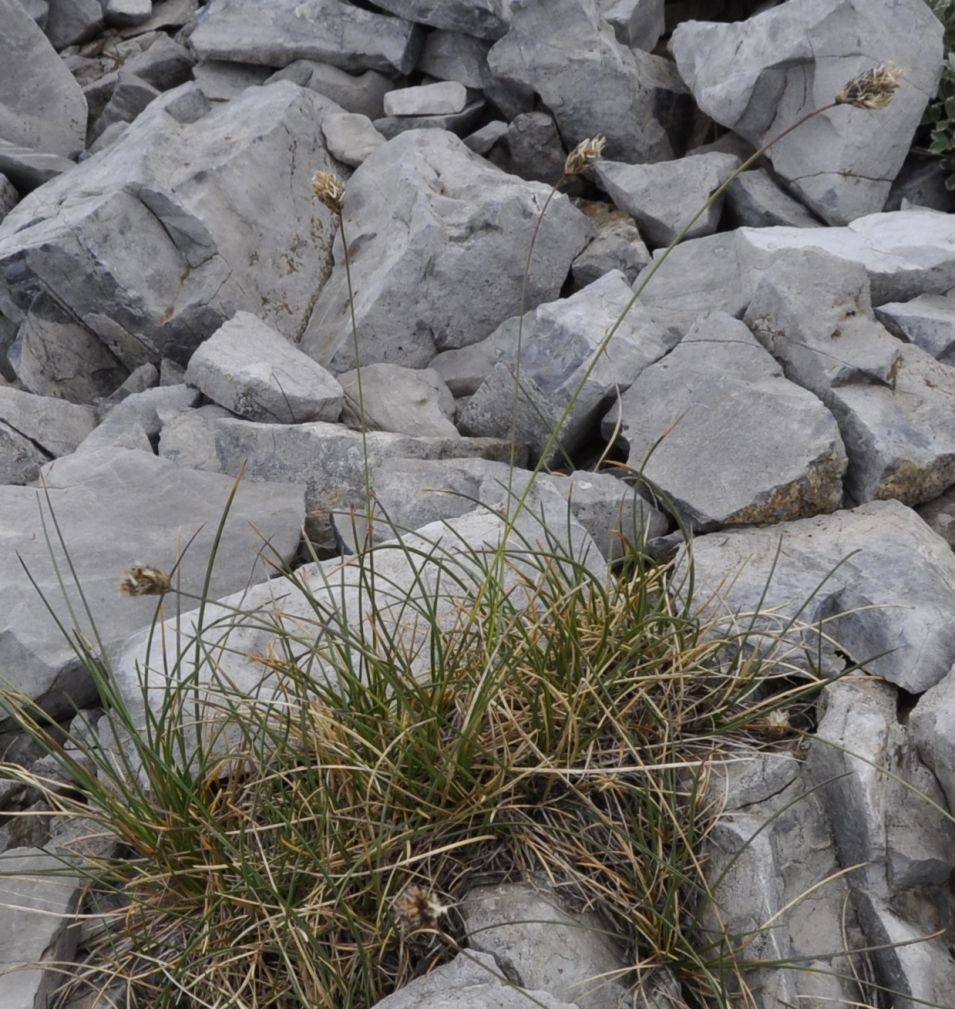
{"points": [[873, 89], [418, 908], [584, 155], [330, 189], [143, 580]]}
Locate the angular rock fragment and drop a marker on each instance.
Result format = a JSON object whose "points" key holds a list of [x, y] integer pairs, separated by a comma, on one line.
{"points": [[130, 95], [350, 137], [439, 242], [928, 321], [221, 81], [932, 721], [117, 508], [636, 23], [327, 30], [41, 106], [362, 93], [531, 148], [452, 56], [755, 201], [123, 13], [54, 426], [724, 438], [874, 584], [236, 226], [893, 401], [71, 21], [761, 75], [9, 197], [616, 246], [562, 360], [403, 400], [27, 169], [459, 123], [664, 197], [939, 515], [564, 51], [253, 371]]}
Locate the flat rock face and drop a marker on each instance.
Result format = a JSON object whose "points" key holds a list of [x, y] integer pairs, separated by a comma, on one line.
{"points": [[724, 438], [41, 105], [327, 30], [118, 508], [562, 355], [879, 579], [480, 18], [425, 214], [760, 75], [253, 371], [403, 400], [928, 321], [663, 198], [568, 54], [231, 225]]}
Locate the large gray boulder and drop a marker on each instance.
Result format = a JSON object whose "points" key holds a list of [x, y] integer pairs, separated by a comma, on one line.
{"points": [[567, 53], [486, 19], [562, 354], [761, 75], [250, 369], [235, 226], [893, 401], [327, 30], [724, 438], [438, 241], [41, 105], [874, 584], [117, 508]]}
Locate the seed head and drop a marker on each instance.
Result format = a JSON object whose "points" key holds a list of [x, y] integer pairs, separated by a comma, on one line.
{"points": [[418, 908], [777, 722], [330, 189], [143, 580], [872, 89], [584, 155]]}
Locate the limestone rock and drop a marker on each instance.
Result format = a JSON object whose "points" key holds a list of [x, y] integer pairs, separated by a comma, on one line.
{"points": [[250, 369], [459, 123], [235, 226], [362, 93], [327, 30], [41, 106], [9, 197], [616, 246], [664, 197], [879, 580], [426, 215], [403, 400], [122, 13], [892, 400], [480, 18], [350, 137], [928, 321], [562, 350], [542, 946], [443, 98], [724, 438], [70, 21], [222, 80], [757, 202], [453, 56], [636, 23], [761, 75], [531, 148], [117, 508], [590, 82], [27, 169], [54, 426]]}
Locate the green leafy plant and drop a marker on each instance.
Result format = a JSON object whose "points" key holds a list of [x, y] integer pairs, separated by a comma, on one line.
{"points": [[940, 114]]}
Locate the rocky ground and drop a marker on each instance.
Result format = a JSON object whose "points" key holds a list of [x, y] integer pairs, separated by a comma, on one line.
{"points": [[174, 309]]}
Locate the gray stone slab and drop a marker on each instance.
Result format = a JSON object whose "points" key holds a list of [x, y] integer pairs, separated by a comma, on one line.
{"points": [[166, 14], [38, 897], [561, 350], [928, 321], [137, 419], [71, 21], [221, 80], [250, 369], [636, 23], [757, 202], [234, 227], [459, 123], [27, 169], [328, 30], [616, 246], [123, 13], [403, 400], [453, 56], [41, 106], [664, 197], [531, 148], [725, 438], [442, 98], [879, 580], [9, 197], [931, 722], [462, 252], [761, 75], [54, 425], [564, 51], [117, 508]]}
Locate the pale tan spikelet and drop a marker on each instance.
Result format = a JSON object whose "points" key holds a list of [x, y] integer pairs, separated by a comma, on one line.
{"points": [[143, 580], [584, 155], [872, 89], [330, 189], [417, 908]]}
